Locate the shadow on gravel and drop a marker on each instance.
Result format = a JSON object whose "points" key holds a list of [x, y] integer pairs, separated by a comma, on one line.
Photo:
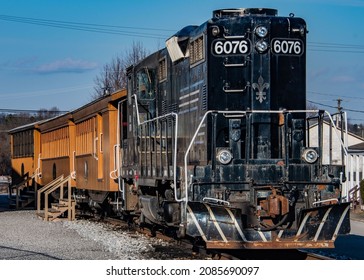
{"points": [[270, 254], [347, 247], [4, 203], [9, 253]]}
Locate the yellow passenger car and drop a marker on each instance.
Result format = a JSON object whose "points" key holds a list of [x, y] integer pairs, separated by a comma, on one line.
{"points": [[96, 143]]}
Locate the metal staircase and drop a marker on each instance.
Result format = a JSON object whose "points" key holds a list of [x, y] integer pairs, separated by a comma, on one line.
{"points": [[65, 207]]}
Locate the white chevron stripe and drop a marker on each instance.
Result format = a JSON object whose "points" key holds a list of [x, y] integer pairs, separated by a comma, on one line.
{"points": [[216, 224], [340, 222], [197, 224], [237, 225], [322, 224], [262, 236], [302, 225]]}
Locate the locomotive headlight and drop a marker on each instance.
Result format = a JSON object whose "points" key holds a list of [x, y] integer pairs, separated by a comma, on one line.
{"points": [[215, 30], [310, 155], [224, 156], [261, 31], [261, 46]]}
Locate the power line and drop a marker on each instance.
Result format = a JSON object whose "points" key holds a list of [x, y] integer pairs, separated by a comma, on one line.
{"points": [[335, 47], [338, 45], [347, 98], [335, 107], [30, 111], [337, 51], [131, 31], [89, 27], [85, 24], [317, 103]]}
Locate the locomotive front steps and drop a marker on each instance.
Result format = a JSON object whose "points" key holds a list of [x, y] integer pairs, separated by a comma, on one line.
{"points": [[64, 207]]}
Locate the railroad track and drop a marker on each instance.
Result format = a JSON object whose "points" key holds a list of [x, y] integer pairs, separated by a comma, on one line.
{"points": [[196, 252]]}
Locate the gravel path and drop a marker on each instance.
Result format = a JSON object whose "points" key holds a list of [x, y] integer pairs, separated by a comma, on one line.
{"points": [[23, 236]]}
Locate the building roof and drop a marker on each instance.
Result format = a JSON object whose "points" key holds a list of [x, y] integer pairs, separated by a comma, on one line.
{"points": [[357, 147]]}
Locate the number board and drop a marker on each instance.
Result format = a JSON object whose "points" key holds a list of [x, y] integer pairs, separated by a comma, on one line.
{"points": [[231, 47], [282, 46]]}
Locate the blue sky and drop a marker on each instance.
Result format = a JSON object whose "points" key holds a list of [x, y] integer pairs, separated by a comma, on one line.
{"points": [[42, 66]]}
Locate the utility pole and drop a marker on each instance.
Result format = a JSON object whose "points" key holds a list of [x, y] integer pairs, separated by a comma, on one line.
{"points": [[339, 108]]}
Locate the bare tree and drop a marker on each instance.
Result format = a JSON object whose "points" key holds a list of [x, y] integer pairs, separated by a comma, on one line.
{"points": [[43, 114], [311, 106], [113, 76], [10, 121]]}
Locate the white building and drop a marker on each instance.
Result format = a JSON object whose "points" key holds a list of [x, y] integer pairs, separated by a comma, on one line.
{"points": [[346, 147]]}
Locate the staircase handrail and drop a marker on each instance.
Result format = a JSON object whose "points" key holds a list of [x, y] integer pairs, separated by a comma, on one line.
{"points": [[354, 189], [46, 187], [25, 179], [56, 186], [53, 186]]}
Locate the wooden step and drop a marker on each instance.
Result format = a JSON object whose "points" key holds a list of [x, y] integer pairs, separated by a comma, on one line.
{"points": [[26, 196], [58, 205], [53, 211], [23, 202], [52, 214], [13, 198], [65, 200]]}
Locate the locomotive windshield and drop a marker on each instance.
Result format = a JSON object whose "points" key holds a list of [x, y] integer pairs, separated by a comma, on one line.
{"points": [[145, 84]]}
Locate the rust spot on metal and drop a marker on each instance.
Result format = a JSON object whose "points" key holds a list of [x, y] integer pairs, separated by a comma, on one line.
{"points": [[269, 245], [275, 204]]}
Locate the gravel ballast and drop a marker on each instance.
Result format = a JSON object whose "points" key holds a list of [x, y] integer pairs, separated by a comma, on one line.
{"points": [[24, 236]]}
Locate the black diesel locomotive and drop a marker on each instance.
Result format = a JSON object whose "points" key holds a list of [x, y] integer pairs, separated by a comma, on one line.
{"points": [[215, 138]]}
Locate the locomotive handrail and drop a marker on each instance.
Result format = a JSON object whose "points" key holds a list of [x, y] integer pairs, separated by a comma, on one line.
{"points": [[235, 90], [227, 90], [337, 135], [216, 201], [193, 140], [175, 115], [235, 37], [236, 64], [121, 183], [334, 200]]}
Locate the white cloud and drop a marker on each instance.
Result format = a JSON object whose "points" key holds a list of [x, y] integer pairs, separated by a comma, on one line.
{"points": [[343, 79], [66, 65]]}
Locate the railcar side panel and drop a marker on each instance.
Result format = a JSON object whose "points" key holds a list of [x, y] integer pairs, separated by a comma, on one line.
{"points": [[57, 146], [25, 151], [96, 140]]}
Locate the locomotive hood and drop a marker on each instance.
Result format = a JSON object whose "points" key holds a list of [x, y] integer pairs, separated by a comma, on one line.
{"points": [[177, 45], [240, 12]]}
